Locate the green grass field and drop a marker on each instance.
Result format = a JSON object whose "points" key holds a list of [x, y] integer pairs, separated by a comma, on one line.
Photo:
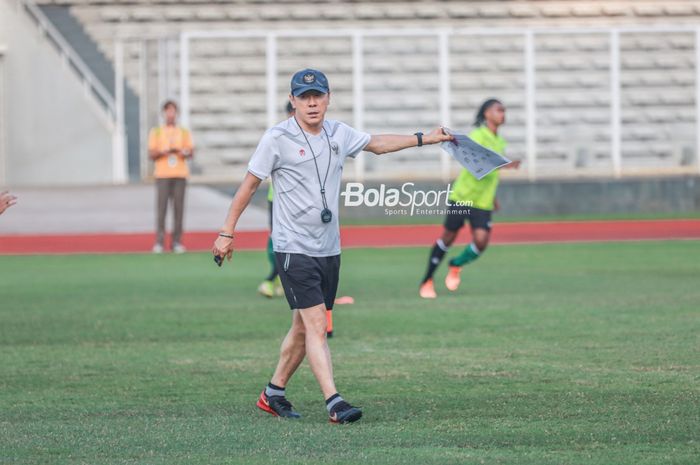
{"points": [[551, 354]]}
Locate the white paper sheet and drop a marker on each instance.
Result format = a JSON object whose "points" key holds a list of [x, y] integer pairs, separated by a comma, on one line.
{"points": [[476, 158]]}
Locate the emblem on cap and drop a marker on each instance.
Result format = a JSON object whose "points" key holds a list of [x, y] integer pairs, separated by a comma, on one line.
{"points": [[309, 78]]}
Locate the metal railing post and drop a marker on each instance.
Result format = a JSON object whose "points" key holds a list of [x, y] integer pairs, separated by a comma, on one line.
{"points": [[144, 102], [615, 123], [697, 97], [444, 45], [530, 110], [162, 71], [358, 97], [3, 159], [185, 79], [119, 160], [271, 57]]}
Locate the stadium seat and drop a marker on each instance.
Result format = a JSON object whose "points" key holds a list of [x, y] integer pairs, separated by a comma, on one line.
{"points": [[228, 76]]}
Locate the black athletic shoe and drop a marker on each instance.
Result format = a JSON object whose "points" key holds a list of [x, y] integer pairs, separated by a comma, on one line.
{"points": [[342, 412], [278, 406]]}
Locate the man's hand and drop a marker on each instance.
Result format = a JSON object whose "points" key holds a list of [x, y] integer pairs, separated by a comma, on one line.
{"points": [[496, 205], [178, 152], [6, 201], [436, 136], [155, 155], [223, 247], [513, 165]]}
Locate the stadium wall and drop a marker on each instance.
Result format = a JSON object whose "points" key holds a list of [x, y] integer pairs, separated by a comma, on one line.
{"points": [[41, 94], [601, 196]]}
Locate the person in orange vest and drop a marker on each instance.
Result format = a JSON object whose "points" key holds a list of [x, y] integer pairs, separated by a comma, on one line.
{"points": [[170, 146]]}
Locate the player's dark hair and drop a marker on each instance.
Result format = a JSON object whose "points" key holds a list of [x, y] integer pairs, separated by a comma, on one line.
{"points": [[289, 108], [481, 114], [169, 103]]}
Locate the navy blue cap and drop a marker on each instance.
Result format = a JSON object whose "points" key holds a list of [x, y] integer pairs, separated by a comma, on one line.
{"points": [[309, 79]]}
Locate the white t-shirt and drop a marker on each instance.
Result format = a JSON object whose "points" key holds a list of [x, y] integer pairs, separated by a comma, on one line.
{"points": [[297, 204]]}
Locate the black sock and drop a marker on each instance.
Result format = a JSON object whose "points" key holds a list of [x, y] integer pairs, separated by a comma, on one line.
{"points": [[332, 401], [272, 275], [272, 390], [436, 254]]}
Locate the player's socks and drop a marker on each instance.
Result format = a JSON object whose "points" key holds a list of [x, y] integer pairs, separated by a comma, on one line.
{"points": [[469, 254], [273, 401], [329, 319], [340, 411], [332, 400], [436, 255], [272, 390], [271, 259], [270, 251]]}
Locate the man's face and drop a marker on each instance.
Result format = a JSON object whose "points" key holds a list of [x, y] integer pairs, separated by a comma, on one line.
{"points": [[496, 114], [311, 107], [170, 114]]}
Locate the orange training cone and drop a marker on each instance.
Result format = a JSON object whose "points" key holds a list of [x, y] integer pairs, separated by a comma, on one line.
{"points": [[329, 327]]}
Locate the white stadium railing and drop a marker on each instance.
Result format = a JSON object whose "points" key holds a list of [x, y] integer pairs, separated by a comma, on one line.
{"points": [[443, 37]]}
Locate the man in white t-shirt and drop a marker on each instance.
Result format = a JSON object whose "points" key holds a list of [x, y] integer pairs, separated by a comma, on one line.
{"points": [[305, 156]]}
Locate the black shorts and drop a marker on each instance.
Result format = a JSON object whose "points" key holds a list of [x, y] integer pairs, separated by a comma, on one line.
{"points": [[308, 281], [478, 218]]}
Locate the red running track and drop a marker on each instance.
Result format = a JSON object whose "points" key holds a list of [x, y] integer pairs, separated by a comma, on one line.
{"points": [[366, 236]]}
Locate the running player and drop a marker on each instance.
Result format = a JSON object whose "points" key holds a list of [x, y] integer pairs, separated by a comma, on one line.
{"points": [[305, 156], [472, 200]]}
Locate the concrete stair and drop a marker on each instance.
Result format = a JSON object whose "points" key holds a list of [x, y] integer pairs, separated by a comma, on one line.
{"points": [[74, 33]]}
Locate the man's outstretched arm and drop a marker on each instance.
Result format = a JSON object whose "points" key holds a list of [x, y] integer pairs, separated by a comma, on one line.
{"points": [[387, 143]]}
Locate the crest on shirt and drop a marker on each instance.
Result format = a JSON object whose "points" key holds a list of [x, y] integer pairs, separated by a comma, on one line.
{"points": [[302, 152], [334, 147], [309, 78]]}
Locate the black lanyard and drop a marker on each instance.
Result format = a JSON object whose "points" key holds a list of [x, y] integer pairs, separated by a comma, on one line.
{"points": [[326, 214]]}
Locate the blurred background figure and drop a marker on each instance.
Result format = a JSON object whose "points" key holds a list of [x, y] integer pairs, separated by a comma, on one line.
{"points": [[6, 201], [170, 146], [271, 286], [471, 200]]}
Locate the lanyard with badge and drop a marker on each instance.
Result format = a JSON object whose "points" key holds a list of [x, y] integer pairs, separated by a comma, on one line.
{"points": [[326, 213], [172, 158]]}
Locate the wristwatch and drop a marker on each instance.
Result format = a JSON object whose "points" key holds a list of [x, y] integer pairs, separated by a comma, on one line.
{"points": [[419, 135]]}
